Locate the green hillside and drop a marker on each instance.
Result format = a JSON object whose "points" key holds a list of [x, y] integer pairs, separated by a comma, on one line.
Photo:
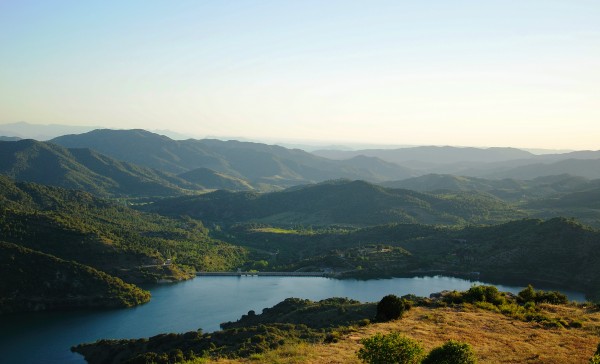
{"points": [[34, 281], [77, 226], [340, 202]]}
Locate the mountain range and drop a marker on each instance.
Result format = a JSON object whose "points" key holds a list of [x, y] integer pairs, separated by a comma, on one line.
{"points": [[259, 164], [141, 163], [495, 163], [274, 166]]}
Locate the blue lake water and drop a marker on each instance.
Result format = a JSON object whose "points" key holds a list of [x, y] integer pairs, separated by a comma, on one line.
{"points": [[204, 302]]}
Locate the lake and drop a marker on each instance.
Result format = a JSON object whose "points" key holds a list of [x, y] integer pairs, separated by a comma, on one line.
{"points": [[204, 302]]}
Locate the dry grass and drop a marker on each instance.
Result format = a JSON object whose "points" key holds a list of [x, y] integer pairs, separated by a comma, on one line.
{"points": [[494, 337]]}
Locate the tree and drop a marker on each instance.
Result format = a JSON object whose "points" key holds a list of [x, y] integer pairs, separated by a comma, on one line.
{"points": [[452, 352], [390, 349], [527, 294], [391, 307], [484, 294]]}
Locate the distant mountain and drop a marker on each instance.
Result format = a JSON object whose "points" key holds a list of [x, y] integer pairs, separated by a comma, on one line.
{"points": [[255, 162], [214, 180], [43, 132], [84, 169], [496, 163], [9, 139], [339, 202], [432, 154]]}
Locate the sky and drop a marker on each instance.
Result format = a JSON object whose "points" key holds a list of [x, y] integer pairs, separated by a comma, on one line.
{"points": [[434, 72]]}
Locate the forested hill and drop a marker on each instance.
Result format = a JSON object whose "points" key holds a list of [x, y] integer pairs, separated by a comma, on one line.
{"points": [[84, 169], [255, 162], [34, 281], [555, 252], [76, 226], [339, 202]]}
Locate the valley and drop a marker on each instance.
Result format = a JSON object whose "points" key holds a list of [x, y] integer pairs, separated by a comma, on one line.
{"points": [[86, 213]]}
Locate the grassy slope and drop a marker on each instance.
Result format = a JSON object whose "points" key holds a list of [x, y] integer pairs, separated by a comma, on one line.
{"points": [[494, 337], [330, 332]]}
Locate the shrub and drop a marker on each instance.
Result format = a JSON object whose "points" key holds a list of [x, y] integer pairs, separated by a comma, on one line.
{"points": [[452, 352], [527, 295], [390, 349], [391, 307], [476, 294], [531, 295], [484, 294], [595, 359], [364, 322]]}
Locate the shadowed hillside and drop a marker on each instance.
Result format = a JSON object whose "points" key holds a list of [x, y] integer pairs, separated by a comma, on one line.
{"points": [[84, 169], [339, 202], [34, 281]]}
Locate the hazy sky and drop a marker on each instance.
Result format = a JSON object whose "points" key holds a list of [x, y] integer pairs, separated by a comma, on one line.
{"points": [[482, 72]]}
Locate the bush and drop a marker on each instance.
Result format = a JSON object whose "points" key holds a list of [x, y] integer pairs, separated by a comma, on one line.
{"points": [[476, 294], [452, 352], [390, 349], [595, 359], [484, 294], [390, 307], [531, 295], [527, 295]]}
